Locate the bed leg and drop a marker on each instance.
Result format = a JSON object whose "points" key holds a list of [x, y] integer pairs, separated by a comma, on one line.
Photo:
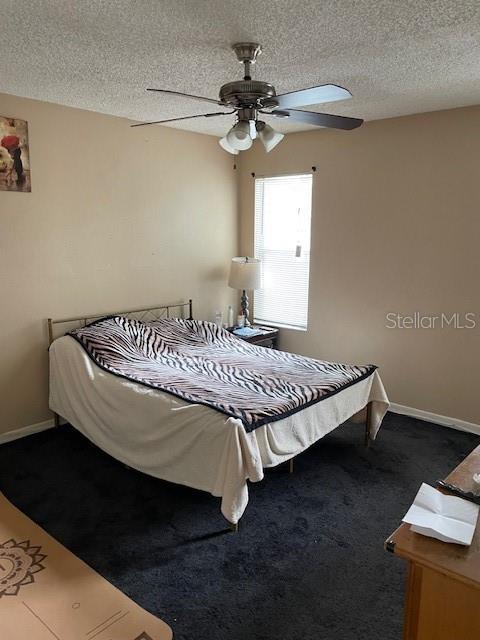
{"points": [[368, 424], [234, 527], [291, 465], [56, 419]]}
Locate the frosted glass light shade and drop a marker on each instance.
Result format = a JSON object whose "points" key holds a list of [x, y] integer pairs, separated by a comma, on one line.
{"points": [[239, 136], [269, 137], [245, 273], [225, 145]]}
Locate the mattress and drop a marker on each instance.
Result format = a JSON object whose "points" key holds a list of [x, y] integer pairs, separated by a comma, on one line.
{"points": [[188, 443], [199, 362]]}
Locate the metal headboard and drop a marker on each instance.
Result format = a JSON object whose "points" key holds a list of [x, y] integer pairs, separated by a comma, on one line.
{"points": [[146, 313]]}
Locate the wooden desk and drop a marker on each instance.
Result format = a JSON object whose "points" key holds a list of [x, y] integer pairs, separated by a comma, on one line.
{"points": [[443, 585]]}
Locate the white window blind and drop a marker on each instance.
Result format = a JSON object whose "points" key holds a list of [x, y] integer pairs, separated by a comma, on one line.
{"points": [[283, 209]]}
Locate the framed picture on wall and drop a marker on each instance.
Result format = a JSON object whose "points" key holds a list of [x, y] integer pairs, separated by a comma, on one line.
{"points": [[14, 155]]}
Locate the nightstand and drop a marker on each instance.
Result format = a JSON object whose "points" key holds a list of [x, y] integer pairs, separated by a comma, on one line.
{"points": [[268, 337]]}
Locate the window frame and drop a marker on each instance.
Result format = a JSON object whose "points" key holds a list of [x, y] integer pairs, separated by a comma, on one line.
{"points": [[285, 174]]}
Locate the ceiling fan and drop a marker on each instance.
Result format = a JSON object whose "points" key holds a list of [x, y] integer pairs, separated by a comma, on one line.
{"points": [[251, 100]]}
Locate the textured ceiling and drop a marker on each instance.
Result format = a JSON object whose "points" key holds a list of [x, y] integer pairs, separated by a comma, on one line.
{"points": [[396, 56]]}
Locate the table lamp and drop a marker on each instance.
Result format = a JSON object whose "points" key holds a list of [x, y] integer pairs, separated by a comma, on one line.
{"points": [[245, 274]]}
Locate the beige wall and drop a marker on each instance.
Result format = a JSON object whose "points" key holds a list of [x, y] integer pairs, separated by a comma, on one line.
{"points": [[124, 217], [117, 217], [395, 228]]}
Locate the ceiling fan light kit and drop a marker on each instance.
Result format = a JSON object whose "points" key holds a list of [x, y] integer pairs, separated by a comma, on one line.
{"points": [[248, 98]]}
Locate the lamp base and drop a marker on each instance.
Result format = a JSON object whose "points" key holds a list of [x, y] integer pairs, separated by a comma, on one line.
{"points": [[244, 306]]}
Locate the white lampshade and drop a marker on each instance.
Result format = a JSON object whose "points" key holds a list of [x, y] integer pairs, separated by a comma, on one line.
{"points": [[239, 136], [225, 145], [245, 273], [269, 137]]}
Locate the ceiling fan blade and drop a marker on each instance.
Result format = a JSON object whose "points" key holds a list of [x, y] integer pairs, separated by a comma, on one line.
{"points": [[199, 115], [319, 119], [185, 95], [314, 95]]}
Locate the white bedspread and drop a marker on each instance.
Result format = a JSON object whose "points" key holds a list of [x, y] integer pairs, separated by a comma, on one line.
{"points": [[191, 444]]}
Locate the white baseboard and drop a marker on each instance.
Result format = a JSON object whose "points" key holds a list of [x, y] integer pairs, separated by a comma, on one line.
{"points": [[428, 416], [26, 431]]}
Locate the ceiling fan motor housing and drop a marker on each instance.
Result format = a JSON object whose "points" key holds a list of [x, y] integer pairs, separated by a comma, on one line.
{"points": [[245, 93]]}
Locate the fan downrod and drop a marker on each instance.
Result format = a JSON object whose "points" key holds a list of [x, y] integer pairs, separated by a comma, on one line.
{"points": [[247, 53]]}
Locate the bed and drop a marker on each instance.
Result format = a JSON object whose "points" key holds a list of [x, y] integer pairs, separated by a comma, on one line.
{"points": [[198, 431]]}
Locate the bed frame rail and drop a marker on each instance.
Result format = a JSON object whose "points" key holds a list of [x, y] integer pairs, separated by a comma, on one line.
{"points": [[145, 313]]}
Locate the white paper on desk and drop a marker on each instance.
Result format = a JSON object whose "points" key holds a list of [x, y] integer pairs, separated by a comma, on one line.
{"points": [[446, 518]]}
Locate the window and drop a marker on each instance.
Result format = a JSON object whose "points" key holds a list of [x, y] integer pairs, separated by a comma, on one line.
{"points": [[283, 208]]}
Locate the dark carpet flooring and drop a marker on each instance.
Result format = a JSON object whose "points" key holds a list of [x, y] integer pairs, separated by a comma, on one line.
{"points": [[308, 563]]}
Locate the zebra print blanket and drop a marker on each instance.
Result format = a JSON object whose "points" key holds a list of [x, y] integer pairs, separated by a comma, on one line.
{"points": [[201, 363]]}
